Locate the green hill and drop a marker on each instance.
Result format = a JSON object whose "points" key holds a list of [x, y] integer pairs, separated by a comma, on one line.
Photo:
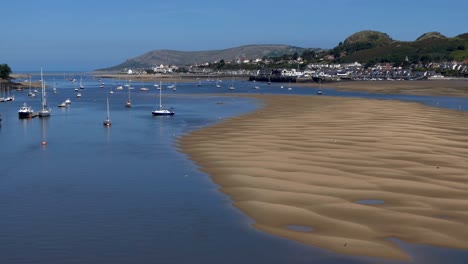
{"points": [[374, 47], [180, 58]]}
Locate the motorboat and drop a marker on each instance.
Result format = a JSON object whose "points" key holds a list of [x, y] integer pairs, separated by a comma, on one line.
{"points": [[26, 111]]}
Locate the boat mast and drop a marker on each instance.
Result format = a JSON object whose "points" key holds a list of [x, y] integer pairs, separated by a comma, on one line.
{"points": [[108, 115], [160, 91], [43, 91]]}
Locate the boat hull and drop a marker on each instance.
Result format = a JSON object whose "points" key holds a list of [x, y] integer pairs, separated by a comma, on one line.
{"points": [[44, 113], [25, 115], [157, 113]]}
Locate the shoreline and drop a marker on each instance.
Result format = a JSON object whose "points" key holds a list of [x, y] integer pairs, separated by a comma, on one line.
{"points": [[452, 87], [309, 163], [435, 87]]}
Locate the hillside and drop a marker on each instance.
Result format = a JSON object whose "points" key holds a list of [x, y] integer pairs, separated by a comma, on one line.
{"points": [[374, 47], [180, 58]]}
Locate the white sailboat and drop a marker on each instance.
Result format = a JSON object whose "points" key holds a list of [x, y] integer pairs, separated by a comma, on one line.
{"points": [[128, 103], [55, 87], [319, 92], [107, 121], [162, 111], [31, 94], [45, 110], [8, 97], [232, 85], [81, 82]]}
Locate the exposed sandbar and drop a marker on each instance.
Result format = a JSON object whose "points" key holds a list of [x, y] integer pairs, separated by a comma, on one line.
{"points": [[442, 87], [305, 161]]}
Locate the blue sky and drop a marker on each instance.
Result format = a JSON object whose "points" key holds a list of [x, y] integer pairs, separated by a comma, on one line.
{"points": [[70, 35]]}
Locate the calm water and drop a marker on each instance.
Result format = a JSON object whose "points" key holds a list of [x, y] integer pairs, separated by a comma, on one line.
{"points": [[125, 194]]}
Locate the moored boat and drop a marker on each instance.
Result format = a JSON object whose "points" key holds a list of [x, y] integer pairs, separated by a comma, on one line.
{"points": [[45, 110], [107, 121], [128, 103], [162, 111], [26, 111]]}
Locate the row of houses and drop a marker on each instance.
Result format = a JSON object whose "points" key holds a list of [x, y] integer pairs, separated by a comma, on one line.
{"points": [[353, 70]]}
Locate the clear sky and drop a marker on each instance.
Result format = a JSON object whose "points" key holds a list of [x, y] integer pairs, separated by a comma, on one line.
{"points": [[82, 35]]}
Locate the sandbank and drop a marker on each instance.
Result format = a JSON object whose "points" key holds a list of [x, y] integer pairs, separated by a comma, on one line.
{"points": [[441, 87], [306, 161]]}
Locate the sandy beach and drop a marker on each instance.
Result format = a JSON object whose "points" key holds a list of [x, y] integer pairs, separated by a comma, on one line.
{"points": [[441, 87], [349, 173]]}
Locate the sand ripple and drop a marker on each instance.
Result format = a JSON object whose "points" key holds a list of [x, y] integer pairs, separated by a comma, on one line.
{"points": [[305, 161]]}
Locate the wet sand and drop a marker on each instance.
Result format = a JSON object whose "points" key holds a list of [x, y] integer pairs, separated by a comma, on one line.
{"points": [[441, 87], [306, 161]]}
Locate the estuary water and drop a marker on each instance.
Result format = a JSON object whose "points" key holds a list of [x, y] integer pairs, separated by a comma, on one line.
{"points": [[125, 194]]}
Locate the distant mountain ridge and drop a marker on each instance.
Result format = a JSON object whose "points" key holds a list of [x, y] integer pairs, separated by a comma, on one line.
{"points": [[180, 58], [367, 46]]}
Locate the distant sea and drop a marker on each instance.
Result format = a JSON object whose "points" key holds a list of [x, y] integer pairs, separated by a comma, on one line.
{"points": [[126, 194]]}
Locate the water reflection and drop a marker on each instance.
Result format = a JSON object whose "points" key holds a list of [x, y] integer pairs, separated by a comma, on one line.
{"points": [[108, 133], [133, 198], [25, 124], [370, 202], [44, 125], [300, 228]]}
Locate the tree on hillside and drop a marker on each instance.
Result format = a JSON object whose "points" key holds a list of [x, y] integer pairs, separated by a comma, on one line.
{"points": [[295, 56], [309, 55], [5, 71]]}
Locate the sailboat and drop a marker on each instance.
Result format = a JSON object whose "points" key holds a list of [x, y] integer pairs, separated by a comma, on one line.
{"points": [[107, 121], [232, 85], [31, 94], [9, 97], [172, 86], [45, 110], [81, 82], [319, 92], [55, 87], [162, 111], [217, 83], [128, 103]]}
